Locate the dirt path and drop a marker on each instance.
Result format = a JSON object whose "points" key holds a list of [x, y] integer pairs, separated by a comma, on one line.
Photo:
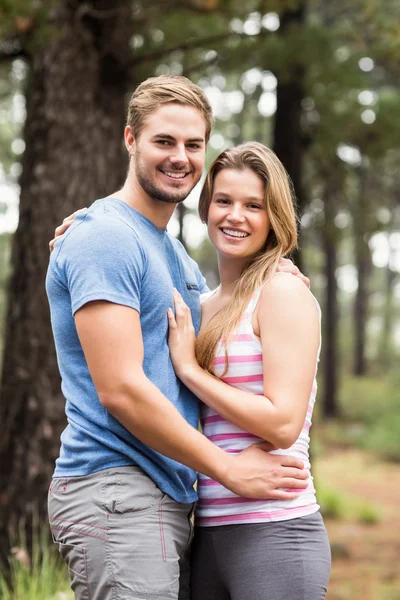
{"points": [[366, 565]]}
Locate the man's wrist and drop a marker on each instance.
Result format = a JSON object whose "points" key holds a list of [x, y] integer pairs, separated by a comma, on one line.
{"points": [[223, 470]]}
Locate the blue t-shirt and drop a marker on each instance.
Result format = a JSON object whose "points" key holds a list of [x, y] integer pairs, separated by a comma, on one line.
{"points": [[114, 253]]}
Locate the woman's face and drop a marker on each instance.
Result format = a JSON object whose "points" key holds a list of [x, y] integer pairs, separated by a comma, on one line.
{"points": [[238, 223]]}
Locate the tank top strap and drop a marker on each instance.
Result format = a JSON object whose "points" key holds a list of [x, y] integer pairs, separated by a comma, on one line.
{"points": [[253, 303]]}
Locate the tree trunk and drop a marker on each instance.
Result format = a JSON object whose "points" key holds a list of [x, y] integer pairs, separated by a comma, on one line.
{"points": [[181, 212], [288, 137], [363, 266], [330, 366], [386, 345], [75, 104], [386, 348]]}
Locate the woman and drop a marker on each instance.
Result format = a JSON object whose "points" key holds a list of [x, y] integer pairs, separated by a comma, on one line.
{"points": [[253, 366]]}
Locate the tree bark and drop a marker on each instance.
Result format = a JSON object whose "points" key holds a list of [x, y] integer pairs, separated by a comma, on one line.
{"points": [[289, 143], [330, 365], [386, 349], [181, 212], [75, 103], [363, 266]]}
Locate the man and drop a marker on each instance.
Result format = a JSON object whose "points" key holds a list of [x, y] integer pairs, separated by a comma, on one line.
{"points": [[122, 494]]}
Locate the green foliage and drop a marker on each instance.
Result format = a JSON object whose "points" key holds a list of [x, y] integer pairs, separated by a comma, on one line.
{"points": [[337, 505], [370, 416], [368, 513], [332, 502], [38, 575], [366, 399], [383, 437], [29, 23]]}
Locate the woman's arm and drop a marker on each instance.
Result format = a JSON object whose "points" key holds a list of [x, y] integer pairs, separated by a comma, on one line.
{"points": [[289, 328]]}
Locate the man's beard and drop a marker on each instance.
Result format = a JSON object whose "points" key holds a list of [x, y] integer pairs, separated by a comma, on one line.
{"points": [[155, 192]]}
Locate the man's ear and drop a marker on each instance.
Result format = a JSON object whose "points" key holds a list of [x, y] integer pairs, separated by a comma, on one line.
{"points": [[129, 139]]}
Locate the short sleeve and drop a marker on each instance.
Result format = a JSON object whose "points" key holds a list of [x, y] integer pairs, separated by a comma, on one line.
{"points": [[102, 259]]}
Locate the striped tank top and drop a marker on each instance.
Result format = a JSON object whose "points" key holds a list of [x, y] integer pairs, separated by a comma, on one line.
{"points": [[218, 505]]}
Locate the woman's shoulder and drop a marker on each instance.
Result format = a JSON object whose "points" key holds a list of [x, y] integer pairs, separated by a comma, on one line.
{"points": [[285, 289], [204, 297]]}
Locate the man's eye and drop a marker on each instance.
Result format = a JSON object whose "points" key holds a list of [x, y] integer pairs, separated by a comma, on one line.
{"points": [[193, 146], [163, 142]]}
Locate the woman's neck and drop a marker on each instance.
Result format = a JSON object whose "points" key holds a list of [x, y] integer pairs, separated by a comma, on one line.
{"points": [[230, 271]]}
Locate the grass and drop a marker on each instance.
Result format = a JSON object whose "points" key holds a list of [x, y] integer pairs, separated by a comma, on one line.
{"points": [[38, 575]]}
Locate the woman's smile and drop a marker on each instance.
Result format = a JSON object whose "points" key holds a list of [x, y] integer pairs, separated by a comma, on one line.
{"points": [[238, 222]]}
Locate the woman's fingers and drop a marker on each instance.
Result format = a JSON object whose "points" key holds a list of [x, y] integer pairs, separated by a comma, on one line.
{"points": [[74, 214], [171, 318], [63, 228], [59, 231], [283, 495], [181, 309]]}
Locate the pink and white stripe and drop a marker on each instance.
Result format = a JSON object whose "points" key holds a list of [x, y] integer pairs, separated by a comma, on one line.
{"points": [[217, 505]]}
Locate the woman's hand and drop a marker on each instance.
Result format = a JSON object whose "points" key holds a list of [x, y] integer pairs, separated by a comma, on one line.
{"points": [[61, 229], [285, 265], [182, 337]]}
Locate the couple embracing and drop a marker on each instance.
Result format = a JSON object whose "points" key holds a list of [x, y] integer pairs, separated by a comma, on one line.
{"points": [[127, 304]]}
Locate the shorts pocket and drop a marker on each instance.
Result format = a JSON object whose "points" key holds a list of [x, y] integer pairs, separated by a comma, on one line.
{"points": [[130, 491], [75, 559]]}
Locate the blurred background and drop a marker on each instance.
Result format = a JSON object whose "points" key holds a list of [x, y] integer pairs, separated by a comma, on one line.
{"points": [[317, 81]]}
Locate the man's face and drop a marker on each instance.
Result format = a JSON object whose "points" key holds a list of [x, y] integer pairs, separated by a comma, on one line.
{"points": [[168, 155]]}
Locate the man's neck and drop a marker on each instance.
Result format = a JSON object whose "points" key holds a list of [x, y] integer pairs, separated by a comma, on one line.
{"points": [[133, 194]]}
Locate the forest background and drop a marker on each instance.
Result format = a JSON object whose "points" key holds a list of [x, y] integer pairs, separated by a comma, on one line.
{"points": [[318, 81]]}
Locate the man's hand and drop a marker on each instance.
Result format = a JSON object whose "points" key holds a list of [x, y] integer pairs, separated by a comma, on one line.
{"points": [[285, 265], [61, 229], [257, 474]]}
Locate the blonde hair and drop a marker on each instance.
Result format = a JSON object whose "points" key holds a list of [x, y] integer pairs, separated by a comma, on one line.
{"points": [[155, 91], [281, 239]]}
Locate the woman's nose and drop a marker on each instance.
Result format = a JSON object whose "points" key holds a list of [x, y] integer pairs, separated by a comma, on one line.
{"points": [[236, 214]]}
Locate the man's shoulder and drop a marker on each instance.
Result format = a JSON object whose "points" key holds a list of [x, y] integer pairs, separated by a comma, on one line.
{"points": [[100, 229], [99, 238]]}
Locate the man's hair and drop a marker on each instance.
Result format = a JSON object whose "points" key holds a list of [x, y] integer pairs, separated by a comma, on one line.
{"points": [[156, 91]]}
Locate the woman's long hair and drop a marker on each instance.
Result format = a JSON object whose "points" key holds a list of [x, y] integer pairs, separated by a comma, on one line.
{"points": [[282, 239]]}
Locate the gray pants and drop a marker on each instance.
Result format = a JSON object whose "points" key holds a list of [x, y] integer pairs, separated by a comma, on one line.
{"points": [[121, 537], [287, 560]]}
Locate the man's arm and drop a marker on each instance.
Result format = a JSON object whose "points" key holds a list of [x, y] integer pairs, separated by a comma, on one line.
{"points": [[111, 339]]}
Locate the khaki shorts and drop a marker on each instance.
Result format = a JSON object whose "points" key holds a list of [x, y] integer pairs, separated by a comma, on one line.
{"points": [[121, 537]]}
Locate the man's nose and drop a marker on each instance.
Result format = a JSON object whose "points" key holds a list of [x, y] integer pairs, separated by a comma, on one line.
{"points": [[178, 155]]}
